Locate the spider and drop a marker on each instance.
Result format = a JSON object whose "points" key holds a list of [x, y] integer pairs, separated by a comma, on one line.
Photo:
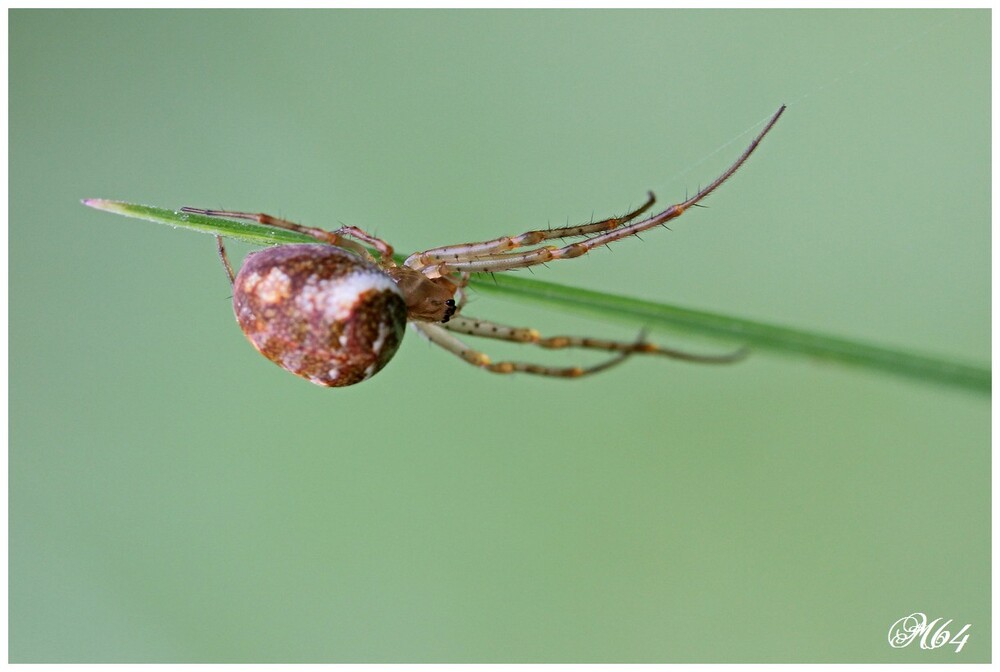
{"points": [[334, 313]]}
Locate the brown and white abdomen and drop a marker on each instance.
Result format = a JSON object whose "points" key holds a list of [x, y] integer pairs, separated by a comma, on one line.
{"points": [[320, 312]]}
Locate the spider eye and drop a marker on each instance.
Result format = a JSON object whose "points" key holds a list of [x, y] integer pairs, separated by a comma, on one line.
{"points": [[449, 311]]}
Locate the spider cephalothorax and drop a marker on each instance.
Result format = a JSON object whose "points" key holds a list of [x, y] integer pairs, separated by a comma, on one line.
{"points": [[427, 299], [334, 313]]}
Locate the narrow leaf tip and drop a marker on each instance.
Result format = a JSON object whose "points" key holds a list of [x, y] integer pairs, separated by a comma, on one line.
{"points": [[103, 204]]}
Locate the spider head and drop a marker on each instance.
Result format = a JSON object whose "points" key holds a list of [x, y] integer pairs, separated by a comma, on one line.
{"points": [[427, 299]]}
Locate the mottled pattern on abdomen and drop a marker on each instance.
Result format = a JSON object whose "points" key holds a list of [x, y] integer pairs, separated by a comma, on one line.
{"points": [[320, 312]]}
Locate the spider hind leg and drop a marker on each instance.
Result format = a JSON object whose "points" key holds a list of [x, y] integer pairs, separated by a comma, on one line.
{"points": [[225, 259], [340, 238]]}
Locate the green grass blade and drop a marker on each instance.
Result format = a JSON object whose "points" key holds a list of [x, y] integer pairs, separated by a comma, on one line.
{"points": [[249, 232], [757, 335]]}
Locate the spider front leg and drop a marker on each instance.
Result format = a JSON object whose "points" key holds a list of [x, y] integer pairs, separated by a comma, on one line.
{"points": [[452, 253], [469, 325], [498, 260], [338, 238], [437, 335]]}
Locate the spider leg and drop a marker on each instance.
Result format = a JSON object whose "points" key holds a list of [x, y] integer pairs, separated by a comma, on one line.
{"points": [[439, 336], [329, 237], [540, 255], [461, 295], [384, 249], [474, 327], [225, 259], [487, 248]]}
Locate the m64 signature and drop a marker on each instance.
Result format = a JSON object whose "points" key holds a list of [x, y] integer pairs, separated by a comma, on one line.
{"points": [[933, 634]]}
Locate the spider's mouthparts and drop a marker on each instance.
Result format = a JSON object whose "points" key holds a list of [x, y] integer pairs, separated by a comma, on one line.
{"points": [[449, 311]]}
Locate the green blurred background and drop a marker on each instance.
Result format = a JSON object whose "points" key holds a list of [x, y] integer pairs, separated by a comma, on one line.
{"points": [[176, 497]]}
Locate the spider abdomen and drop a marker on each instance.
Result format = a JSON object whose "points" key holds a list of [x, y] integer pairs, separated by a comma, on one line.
{"points": [[320, 312]]}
